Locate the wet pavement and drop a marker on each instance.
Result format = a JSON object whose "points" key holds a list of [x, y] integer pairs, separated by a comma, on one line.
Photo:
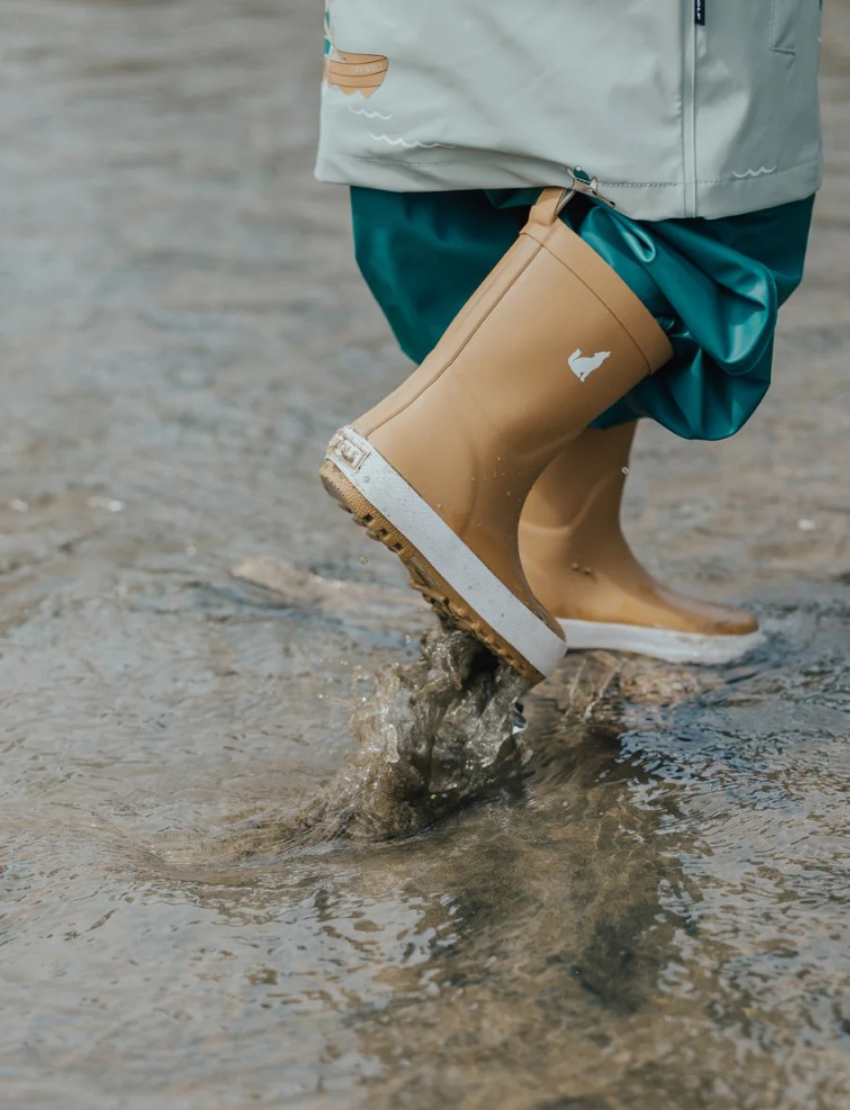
{"points": [[648, 905]]}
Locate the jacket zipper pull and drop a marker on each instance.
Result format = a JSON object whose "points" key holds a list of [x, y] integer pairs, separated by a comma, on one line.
{"points": [[699, 12]]}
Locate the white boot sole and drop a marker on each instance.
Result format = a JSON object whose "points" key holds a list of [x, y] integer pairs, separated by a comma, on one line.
{"points": [[419, 535], [659, 643]]}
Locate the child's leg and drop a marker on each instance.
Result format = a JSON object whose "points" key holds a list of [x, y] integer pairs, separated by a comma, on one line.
{"points": [[715, 284], [440, 470], [580, 566]]}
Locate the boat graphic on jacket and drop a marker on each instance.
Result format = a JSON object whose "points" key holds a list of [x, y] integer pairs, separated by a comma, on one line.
{"points": [[352, 73]]}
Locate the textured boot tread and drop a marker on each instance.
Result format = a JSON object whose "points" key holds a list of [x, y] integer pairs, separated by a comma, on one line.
{"points": [[449, 606]]}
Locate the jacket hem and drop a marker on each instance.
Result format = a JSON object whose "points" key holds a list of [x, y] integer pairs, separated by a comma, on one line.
{"points": [[642, 200]]}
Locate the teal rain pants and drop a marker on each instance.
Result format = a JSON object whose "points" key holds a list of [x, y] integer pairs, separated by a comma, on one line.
{"points": [[715, 286]]}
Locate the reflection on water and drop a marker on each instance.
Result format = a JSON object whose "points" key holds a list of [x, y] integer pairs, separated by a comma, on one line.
{"points": [[639, 900]]}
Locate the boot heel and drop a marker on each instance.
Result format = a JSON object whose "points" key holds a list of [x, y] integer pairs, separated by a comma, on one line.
{"points": [[379, 499]]}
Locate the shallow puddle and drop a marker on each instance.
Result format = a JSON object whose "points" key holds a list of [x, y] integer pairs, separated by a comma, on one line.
{"points": [[217, 892]]}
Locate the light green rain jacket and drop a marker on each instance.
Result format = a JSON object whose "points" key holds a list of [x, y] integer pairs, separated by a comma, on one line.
{"points": [[678, 107]]}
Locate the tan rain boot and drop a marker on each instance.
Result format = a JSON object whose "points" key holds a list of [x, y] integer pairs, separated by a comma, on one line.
{"points": [[440, 469], [581, 568]]}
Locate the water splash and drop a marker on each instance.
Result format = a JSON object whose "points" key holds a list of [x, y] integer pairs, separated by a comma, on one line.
{"points": [[431, 736], [434, 735]]}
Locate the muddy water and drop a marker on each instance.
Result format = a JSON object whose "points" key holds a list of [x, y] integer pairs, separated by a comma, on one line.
{"points": [[640, 900]]}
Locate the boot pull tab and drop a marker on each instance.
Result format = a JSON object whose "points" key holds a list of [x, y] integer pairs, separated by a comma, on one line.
{"points": [[553, 201], [549, 206]]}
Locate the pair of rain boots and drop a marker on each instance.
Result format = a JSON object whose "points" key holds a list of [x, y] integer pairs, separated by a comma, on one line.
{"points": [[440, 471]]}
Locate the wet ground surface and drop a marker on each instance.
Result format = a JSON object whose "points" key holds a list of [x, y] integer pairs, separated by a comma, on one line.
{"points": [[649, 904]]}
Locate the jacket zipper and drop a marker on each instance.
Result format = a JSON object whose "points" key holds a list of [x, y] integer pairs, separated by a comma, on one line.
{"points": [[694, 19]]}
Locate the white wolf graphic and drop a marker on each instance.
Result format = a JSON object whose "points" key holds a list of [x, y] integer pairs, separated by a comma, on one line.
{"points": [[583, 366]]}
